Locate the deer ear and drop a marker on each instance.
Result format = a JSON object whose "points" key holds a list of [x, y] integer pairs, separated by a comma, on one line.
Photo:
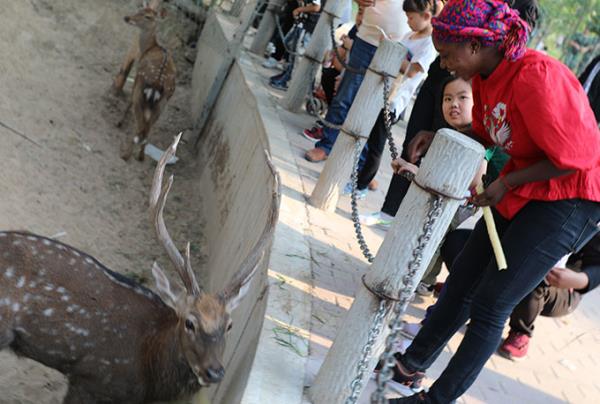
{"points": [[163, 287], [235, 292]]}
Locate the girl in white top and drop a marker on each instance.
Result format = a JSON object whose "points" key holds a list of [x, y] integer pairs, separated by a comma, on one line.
{"points": [[421, 52]]}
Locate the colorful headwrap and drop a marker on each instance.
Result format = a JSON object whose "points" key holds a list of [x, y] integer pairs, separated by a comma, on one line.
{"points": [[492, 22]]}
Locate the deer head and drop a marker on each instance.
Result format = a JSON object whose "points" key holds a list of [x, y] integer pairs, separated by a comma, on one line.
{"points": [[203, 318], [146, 18]]}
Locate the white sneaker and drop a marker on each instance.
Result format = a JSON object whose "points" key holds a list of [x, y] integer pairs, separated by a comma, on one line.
{"points": [[376, 219], [410, 330], [424, 289], [272, 63]]}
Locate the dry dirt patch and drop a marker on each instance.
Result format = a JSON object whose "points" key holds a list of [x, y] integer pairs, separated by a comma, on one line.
{"points": [[59, 57]]}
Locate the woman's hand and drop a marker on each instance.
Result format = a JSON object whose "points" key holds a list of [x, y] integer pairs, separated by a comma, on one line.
{"points": [[564, 278], [491, 195], [400, 165], [419, 145], [297, 12]]}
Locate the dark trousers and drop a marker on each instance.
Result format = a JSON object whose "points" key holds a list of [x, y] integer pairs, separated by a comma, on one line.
{"points": [[328, 76], [545, 300], [534, 240], [399, 185], [286, 20], [374, 150]]}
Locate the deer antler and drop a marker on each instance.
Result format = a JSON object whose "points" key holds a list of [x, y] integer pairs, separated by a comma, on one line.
{"points": [[158, 197], [234, 291]]}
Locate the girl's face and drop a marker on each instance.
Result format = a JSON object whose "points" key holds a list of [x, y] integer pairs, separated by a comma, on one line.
{"points": [[457, 103], [461, 59], [418, 21]]}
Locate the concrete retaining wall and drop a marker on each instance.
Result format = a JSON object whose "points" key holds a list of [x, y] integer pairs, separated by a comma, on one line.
{"points": [[238, 186]]}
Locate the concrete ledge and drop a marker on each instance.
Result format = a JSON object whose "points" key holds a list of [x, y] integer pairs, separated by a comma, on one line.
{"points": [[277, 375]]}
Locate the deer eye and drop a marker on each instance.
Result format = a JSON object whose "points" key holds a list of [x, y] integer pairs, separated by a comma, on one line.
{"points": [[229, 326], [189, 325]]}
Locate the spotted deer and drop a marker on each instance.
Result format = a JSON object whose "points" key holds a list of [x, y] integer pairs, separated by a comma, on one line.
{"points": [[154, 81], [115, 340]]}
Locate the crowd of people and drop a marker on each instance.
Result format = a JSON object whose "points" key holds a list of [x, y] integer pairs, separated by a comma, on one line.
{"points": [[469, 66]]}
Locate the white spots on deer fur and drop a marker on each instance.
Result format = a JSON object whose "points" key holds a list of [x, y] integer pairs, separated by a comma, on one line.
{"points": [[82, 311], [60, 289], [32, 238], [76, 253], [46, 242], [17, 242], [16, 307], [9, 272], [21, 282], [89, 344], [49, 287], [77, 330], [72, 308], [65, 298], [105, 362], [136, 139], [32, 284], [5, 302], [48, 312], [2, 234], [72, 261], [26, 297], [88, 260]]}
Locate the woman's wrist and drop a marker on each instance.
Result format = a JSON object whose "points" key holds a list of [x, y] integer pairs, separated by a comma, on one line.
{"points": [[505, 181]]}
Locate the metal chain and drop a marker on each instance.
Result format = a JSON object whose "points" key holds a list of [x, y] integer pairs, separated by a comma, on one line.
{"points": [[353, 203], [296, 30], [388, 360], [337, 52], [367, 350]]}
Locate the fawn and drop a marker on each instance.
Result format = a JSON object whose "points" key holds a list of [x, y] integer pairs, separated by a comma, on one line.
{"points": [[154, 81]]}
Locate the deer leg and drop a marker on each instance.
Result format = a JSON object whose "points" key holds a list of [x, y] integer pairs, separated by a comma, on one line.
{"points": [[120, 123], [121, 77], [149, 124], [77, 394]]}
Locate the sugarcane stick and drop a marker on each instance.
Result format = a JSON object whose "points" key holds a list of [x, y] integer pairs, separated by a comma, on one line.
{"points": [[493, 233]]}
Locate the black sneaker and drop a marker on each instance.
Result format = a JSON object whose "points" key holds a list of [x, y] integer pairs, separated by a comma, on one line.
{"points": [[420, 398], [405, 383]]}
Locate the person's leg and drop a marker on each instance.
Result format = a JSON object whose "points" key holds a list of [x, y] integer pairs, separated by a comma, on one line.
{"points": [[360, 58], [524, 314], [328, 76], [453, 244], [451, 310], [399, 185], [535, 239], [373, 152]]}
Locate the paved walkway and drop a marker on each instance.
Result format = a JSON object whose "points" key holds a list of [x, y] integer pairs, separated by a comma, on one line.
{"points": [[564, 355]]}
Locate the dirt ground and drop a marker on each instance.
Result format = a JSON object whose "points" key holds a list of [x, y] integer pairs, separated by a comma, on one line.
{"points": [[59, 57]]}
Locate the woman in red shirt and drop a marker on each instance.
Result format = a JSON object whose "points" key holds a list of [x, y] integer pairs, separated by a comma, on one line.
{"points": [[545, 202]]}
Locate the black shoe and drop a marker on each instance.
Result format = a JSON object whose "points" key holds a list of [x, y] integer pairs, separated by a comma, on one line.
{"points": [[403, 377], [420, 398]]}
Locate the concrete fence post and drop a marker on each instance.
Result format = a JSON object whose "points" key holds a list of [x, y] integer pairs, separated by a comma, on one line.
{"points": [[450, 164], [359, 122], [266, 27], [306, 68], [237, 7]]}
